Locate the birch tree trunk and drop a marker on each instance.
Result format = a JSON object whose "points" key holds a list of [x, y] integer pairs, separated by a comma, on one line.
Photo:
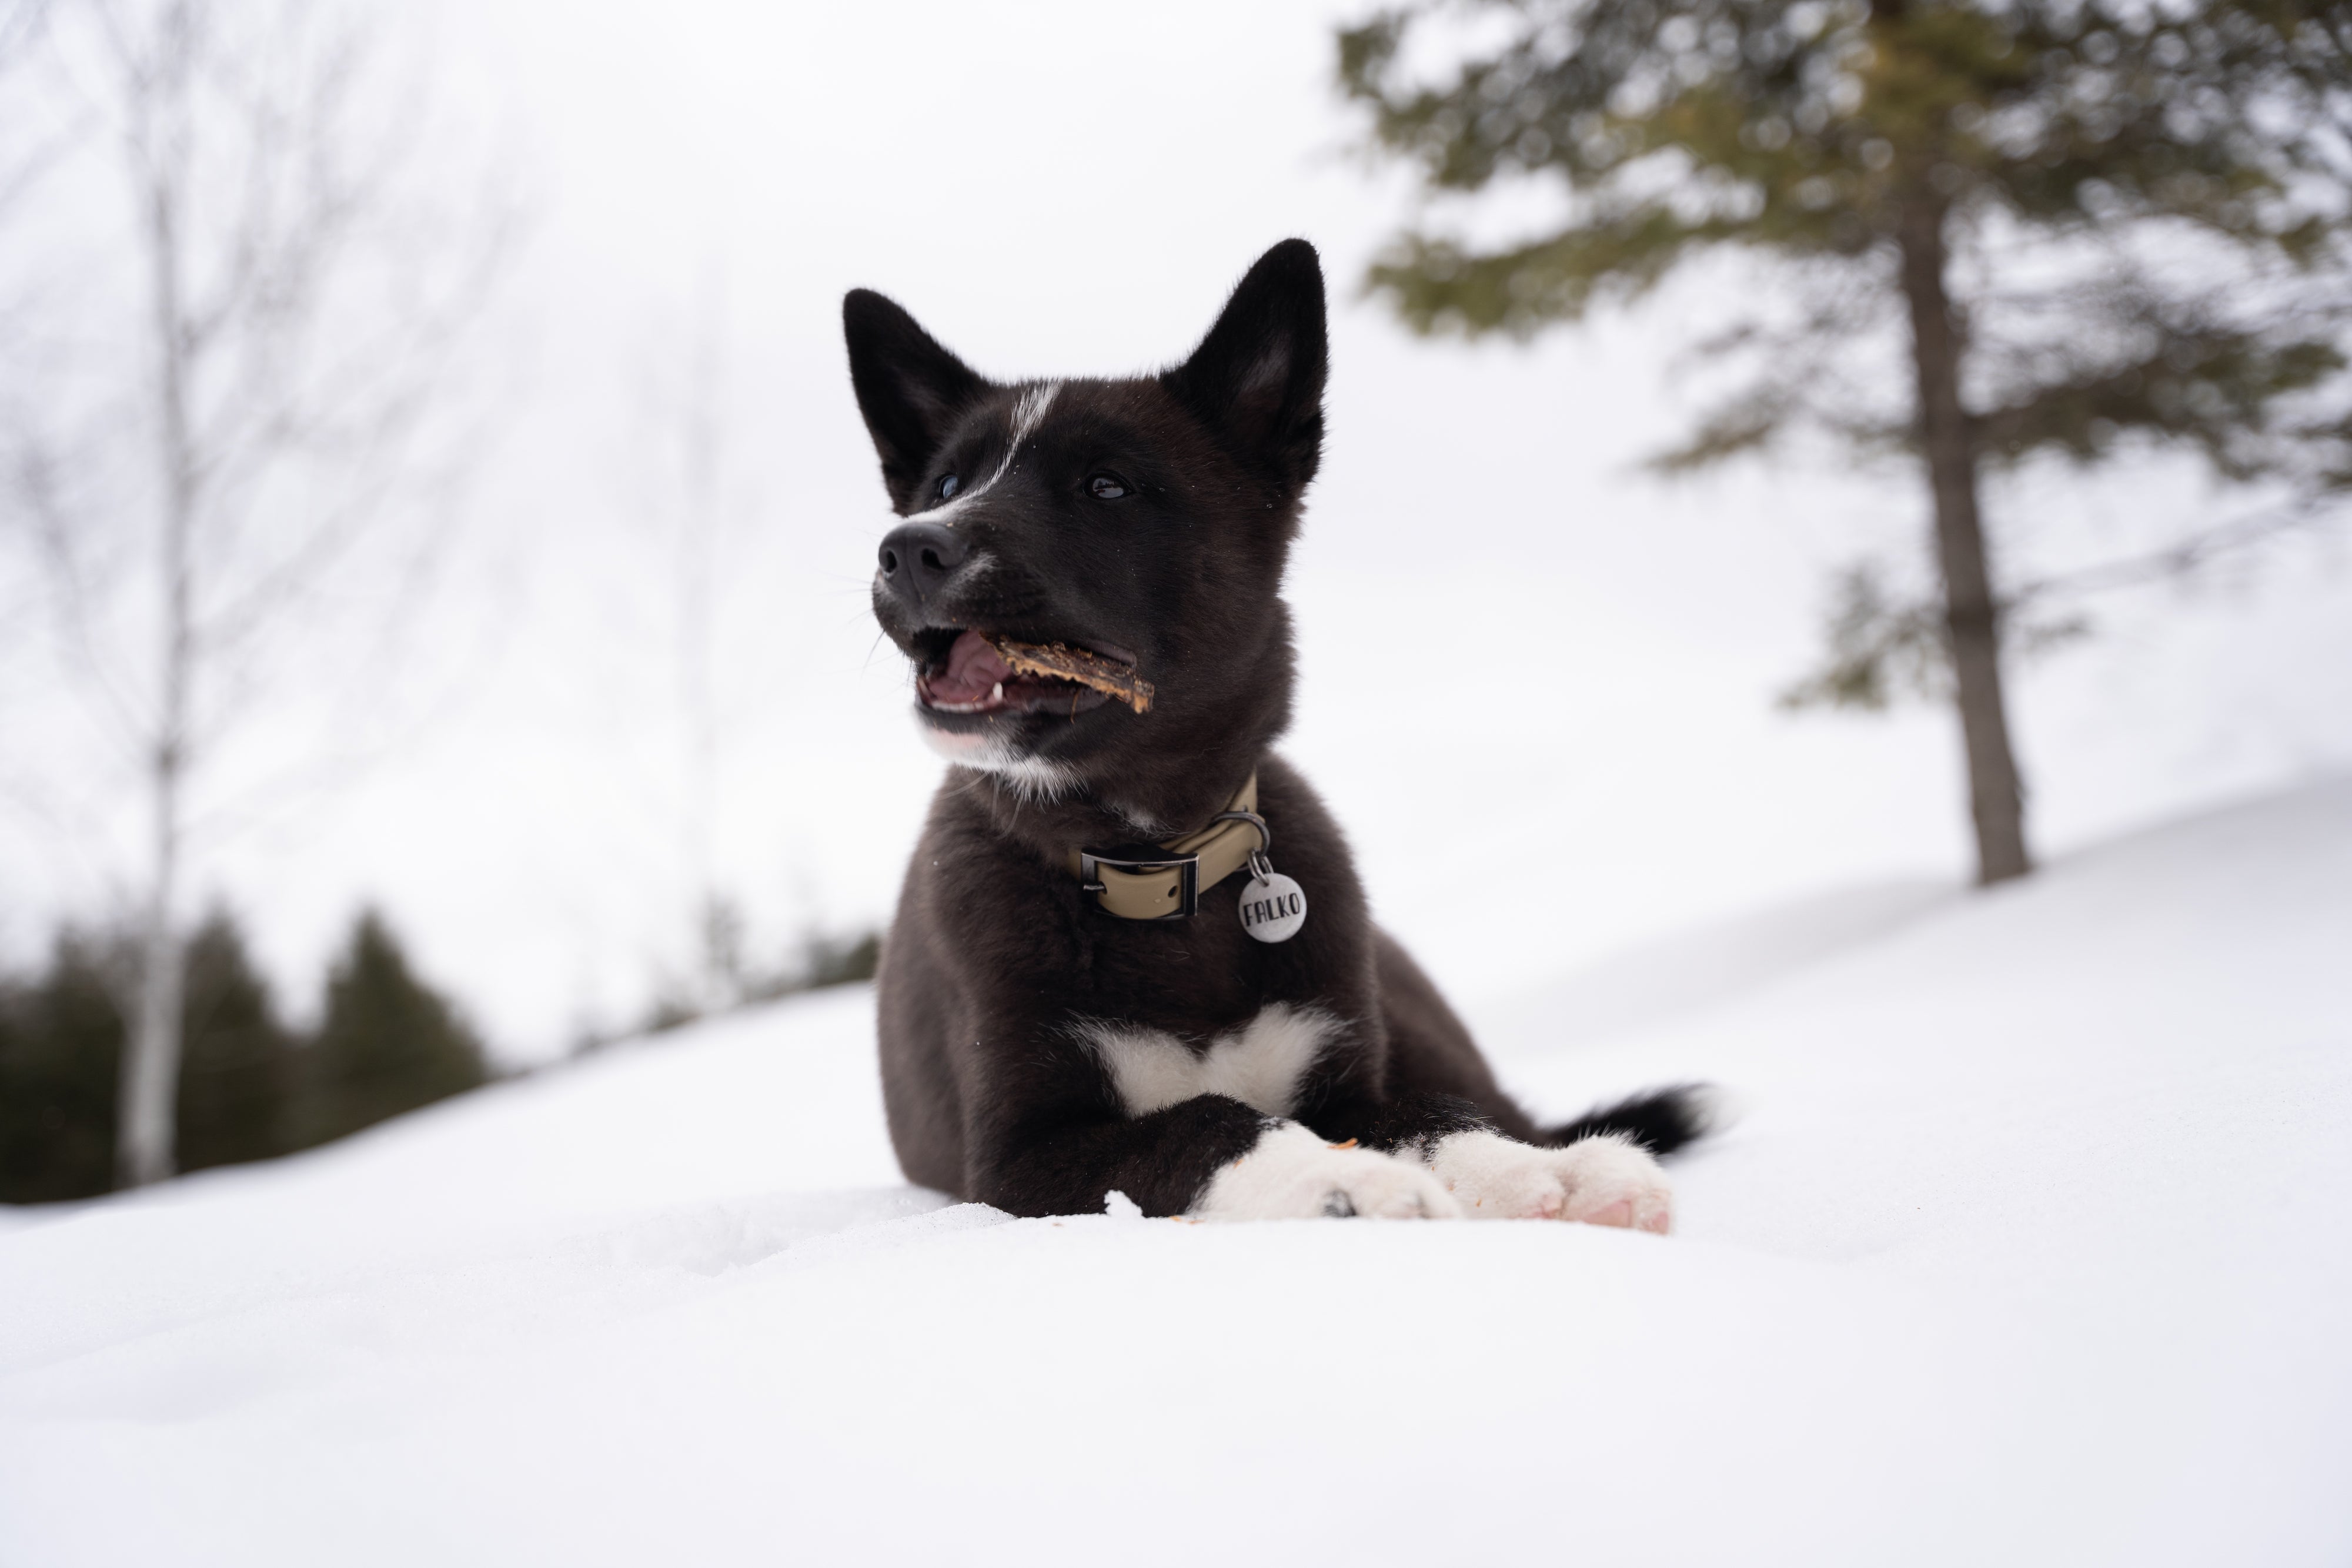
{"points": [[150, 1077], [1971, 618], [300, 278]]}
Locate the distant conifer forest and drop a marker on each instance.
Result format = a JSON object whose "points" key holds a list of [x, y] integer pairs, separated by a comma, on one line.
{"points": [[251, 1086]]}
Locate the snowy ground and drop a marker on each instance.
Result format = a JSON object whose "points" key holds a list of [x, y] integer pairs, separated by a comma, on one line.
{"points": [[2034, 1246]]}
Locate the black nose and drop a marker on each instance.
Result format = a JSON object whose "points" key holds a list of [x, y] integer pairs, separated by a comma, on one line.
{"points": [[918, 558]]}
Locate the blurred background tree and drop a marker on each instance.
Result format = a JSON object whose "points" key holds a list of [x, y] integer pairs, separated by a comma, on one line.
{"points": [[221, 414], [60, 1059], [238, 1078], [686, 424], [2097, 227], [819, 958], [251, 1087], [389, 1043]]}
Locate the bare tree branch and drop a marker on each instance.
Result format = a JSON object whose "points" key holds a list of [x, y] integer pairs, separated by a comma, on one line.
{"points": [[2181, 558], [297, 311]]}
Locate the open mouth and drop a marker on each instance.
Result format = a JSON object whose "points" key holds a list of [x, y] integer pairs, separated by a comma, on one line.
{"points": [[961, 671]]}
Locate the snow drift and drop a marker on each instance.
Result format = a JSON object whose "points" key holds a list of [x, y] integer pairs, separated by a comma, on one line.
{"points": [[2031, 1247]]}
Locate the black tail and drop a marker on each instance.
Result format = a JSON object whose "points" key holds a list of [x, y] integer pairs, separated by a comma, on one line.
{"points": [[1660, 1120]]}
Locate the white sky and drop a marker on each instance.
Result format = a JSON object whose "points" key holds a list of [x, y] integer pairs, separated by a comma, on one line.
{"points": [[1518, 656]]}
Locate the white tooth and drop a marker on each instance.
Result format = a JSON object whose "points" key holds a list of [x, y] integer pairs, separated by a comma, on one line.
{"points": [[996, 693]]}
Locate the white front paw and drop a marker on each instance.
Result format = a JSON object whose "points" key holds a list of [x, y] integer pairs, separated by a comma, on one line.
{"points": [[1612, 1180], [1291, 1174], [1602, 1180], [1496, 1177]]}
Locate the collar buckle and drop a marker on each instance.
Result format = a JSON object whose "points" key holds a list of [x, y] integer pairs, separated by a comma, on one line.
{"points": [[1145, 860]]}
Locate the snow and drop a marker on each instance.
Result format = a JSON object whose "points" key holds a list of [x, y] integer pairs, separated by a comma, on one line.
{"points": [[1649, 982], [2030, 1246]]}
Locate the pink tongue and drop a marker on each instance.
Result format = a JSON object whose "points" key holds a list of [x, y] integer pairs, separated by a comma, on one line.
{"points": [[973, 669]]}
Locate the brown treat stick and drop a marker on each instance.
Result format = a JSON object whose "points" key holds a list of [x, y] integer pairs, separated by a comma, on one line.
{"points": [[1108, 677]]}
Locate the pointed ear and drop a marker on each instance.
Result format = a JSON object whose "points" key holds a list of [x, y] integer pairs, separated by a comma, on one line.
{"points": [[909, 389], [1257, 378]]}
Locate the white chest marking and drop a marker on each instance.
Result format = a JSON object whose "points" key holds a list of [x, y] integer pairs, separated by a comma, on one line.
{"points": [[1259, 1064]]}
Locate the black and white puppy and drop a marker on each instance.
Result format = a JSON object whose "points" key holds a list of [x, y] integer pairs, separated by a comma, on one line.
{"points": [[1042, 1049]]}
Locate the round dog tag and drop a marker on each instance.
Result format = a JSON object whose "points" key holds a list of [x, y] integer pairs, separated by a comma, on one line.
{"points": [[1272, 907]]}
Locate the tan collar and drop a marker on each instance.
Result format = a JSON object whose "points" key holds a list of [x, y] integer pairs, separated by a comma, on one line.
{"points": [[1133, 882]]}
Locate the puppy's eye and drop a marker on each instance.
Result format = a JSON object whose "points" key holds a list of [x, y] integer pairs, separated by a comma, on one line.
{"points": [[1105, 487], [947, 487]]}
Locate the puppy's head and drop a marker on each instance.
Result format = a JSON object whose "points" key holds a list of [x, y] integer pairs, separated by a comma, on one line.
{"points": [[1146, 521]]}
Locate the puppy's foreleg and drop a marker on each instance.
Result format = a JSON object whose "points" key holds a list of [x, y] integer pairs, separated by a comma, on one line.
{"points": [[1209, 1157]]}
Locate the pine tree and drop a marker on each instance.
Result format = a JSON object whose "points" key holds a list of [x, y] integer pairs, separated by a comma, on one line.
{"points": [[61, 1054], [2153, 193], [388, 1043], [234, 1101]]}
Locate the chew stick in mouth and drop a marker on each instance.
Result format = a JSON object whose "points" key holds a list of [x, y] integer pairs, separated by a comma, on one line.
{"points": [[1060, 660]]}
